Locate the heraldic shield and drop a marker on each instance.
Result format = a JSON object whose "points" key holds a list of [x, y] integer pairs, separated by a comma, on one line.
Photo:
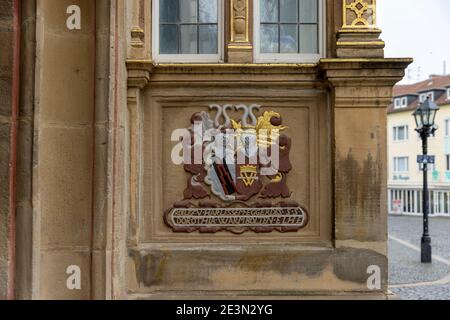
{"points": [[238, 175]]}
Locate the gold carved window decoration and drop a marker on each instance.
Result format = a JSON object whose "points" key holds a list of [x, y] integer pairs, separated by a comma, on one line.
{"points": [[239, 21], [359, 14]]}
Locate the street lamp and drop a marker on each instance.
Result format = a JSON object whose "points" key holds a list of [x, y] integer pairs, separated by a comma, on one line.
{"points": [[425, 115]]}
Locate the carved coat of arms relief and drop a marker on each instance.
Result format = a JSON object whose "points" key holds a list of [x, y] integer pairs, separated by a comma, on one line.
{"points": [[238, 174]]}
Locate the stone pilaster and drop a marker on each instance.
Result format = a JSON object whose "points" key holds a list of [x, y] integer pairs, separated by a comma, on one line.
{"points": [[139, 67], [240, 47], [359, 35], [63, 158], [361, 92], [6, 124]]}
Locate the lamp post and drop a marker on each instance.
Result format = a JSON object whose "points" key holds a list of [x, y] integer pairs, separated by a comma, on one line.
{"points": [[425, 115]]}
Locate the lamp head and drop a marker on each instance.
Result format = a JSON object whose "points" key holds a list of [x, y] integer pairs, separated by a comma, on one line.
{"points": [[425, 114]]}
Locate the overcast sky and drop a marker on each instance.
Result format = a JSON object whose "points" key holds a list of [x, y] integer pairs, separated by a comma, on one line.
{"points": [[419, 29]]}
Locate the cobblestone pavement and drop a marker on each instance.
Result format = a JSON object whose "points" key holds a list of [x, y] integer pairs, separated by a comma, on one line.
{"points": [[407, 276]]}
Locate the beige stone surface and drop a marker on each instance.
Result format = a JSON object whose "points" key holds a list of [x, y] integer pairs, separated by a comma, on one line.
{"points": [[64, 142], [65, 197], [6, 54], [286, 269], [53, 276], [68, 63]]}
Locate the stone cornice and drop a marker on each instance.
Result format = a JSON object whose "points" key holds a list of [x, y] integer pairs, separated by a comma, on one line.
{"points": [[364, 72], [336, 71], [139, 72]]}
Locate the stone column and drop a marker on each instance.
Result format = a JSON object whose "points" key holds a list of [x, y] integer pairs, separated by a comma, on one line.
{"points": [[361, 82], [362, 90], [139, 66], [8, 125], [239, 46], [64, 149]]}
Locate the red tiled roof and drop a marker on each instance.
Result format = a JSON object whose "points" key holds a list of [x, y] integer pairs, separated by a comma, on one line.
{"points": [[433, 83]]}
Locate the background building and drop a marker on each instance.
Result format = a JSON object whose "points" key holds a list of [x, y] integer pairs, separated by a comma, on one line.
{"points": [[405, 175]]}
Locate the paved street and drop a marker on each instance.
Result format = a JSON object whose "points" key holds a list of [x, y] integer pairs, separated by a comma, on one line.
{"points": [[409, 278]]}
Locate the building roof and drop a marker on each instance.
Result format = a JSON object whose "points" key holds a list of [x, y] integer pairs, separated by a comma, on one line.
{"points": [[433, 83]]}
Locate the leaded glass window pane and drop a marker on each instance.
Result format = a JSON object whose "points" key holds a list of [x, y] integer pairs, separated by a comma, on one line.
{"points": [[289, 26], [188, 26]]}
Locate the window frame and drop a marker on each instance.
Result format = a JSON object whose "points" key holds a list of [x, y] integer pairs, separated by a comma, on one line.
{"points": [[400, 103], [447, 128], [423, 97], [431, 95], [430, 166], [289, 57], [188, 58], [395, 165], [404, 102], [395, 133]]}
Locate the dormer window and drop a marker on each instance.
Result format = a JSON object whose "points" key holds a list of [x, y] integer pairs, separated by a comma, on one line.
{"points": [[424, 96], [401, 103]]}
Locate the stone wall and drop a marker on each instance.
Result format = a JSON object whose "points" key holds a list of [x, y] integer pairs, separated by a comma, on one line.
{"points": [[90, 185], [6, 87], [24, 194]]}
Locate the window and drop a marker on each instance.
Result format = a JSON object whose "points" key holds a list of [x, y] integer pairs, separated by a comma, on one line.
{"points": [[401, 133], [447, 160], [447, 128], [187, 30], [431, 96], [288, 30], [401, 164], [430, 167], [424, 96], [404, 102], [448, 93], [401, 103]]}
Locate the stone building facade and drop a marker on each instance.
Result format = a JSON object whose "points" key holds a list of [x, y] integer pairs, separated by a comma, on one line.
{"points": [[88, 186]]}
